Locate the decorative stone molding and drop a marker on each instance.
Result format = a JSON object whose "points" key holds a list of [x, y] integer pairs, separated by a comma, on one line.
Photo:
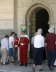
{"points": [[33, 7]]}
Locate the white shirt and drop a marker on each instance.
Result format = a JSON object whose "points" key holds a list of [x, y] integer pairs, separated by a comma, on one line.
{"points": [[38, 41], [11, 41], [4, 43]]}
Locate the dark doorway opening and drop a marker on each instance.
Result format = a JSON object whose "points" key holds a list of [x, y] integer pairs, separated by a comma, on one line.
{"points": [[42, 18]]}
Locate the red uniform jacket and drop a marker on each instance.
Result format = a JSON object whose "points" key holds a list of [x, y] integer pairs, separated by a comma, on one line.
{"points": [[23, 49], [16, 42], [24, 41]]}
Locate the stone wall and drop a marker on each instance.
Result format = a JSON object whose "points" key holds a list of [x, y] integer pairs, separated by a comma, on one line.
{"points": [[13, 12], [24, 5], [6, 16]]}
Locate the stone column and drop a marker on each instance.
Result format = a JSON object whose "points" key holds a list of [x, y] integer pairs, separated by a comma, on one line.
{"points": [[19, 16], [15, 15], [6, 16]]}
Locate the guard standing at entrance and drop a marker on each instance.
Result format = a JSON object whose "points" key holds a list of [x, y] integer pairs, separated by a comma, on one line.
{"points": [[23, 45]]}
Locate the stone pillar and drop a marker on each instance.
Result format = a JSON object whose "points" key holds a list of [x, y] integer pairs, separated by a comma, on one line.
{"points": [[21, 10], [19, 16], [15, 15], [6, 16]]}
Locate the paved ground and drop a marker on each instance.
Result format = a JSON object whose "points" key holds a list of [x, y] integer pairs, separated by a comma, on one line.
{"points": [[17, 68]]}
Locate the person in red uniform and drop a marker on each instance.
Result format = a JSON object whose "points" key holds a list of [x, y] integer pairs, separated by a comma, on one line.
{"points": [[51, 50], [16, 44], [24, 41]]}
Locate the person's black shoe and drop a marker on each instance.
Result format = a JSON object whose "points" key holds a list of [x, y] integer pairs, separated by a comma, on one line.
{"points": [[7, 63], [25, 64], [21, 64]]}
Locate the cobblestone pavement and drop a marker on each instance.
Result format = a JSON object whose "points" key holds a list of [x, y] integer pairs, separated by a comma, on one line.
{"points": [[17, 68]]}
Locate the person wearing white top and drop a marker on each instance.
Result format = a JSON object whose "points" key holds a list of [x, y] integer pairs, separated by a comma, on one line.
{"points": [[11, 40], [4, 49], [38, 49], [11, 46], [38, 41]]}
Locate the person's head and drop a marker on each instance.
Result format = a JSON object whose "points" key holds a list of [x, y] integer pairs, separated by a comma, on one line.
{"points": [[39, 31], [51, 30], [6, 36], [12, 34], [15, 35]]}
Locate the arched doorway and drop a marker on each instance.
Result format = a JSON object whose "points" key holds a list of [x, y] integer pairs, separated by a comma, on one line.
{"points": [[30, 17], [39, 18]]}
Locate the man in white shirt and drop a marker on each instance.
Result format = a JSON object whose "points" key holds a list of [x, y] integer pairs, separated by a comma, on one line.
{"points": [[11, 46], [38, 49], [4, 49]]}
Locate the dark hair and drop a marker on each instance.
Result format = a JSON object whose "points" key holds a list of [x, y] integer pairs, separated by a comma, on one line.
{"points": [[12, 33], [15, 34], [6, 36]]}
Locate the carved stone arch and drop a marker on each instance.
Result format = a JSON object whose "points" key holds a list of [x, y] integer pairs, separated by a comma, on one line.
{"points": [[31, 9]]}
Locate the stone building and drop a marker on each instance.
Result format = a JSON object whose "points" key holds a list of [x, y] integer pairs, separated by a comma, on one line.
{"points": [[20, 14]]}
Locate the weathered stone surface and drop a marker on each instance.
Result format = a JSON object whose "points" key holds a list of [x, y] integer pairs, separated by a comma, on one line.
{"points": [[13, 12]]}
